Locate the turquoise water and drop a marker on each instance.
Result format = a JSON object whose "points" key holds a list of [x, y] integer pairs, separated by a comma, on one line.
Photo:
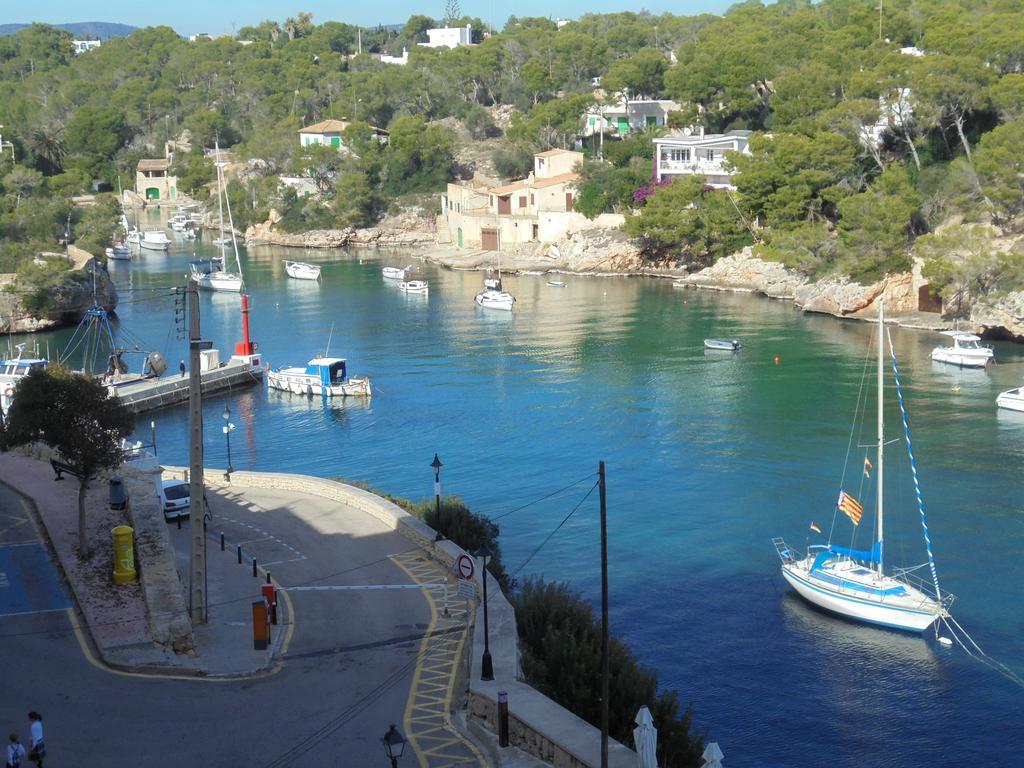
{"points": [[709, 455]]}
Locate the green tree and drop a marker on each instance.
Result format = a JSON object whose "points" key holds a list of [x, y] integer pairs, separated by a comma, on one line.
{"points": [[418, 156], [1008, 96], [47, 144], [1000, 167], [808, 246], [75, 416], [356, 200], [947, 89], [687, 216]]}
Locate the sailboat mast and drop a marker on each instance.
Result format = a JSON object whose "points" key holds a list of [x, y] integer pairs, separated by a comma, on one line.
{"points": [[881, 430], [220, 199]]}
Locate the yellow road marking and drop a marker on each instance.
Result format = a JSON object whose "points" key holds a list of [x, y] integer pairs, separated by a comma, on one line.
{"points": [[429, 730]]}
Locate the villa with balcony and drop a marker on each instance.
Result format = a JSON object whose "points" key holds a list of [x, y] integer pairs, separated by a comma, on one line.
{"points": [[680, 154]]}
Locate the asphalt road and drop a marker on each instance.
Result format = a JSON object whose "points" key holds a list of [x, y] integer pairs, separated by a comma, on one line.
{"points": [[347, 673]]}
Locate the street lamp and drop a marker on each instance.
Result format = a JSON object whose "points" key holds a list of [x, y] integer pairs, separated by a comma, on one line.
{"points": [[436, 464], [394, 745], [228, 428], [486, 666], [152, 433]]}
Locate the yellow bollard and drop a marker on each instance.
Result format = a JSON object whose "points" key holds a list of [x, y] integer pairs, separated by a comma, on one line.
{"points": [[124, 554]]}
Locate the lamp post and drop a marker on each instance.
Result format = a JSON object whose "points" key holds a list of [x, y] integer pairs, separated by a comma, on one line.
{"points": [[152, 432], [394, 745], [486, 666], [228, 428], [436, 464]]}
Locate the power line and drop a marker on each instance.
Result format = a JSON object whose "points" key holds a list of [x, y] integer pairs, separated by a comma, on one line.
{"points": [[548, 538], [542, 498]]}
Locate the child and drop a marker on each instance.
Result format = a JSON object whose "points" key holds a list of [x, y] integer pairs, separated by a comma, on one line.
{"points": [[15, 752]]}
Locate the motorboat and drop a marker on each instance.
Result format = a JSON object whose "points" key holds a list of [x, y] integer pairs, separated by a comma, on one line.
{"points": [[414, 286], [853, 583], [155, 240], [209, 275], [326, 376], [178, 221], [556, 284], [1011, 399], [491, 299], [134, 237], [730, 345], [119, 252], [13, 370], [300, 270], [222, 240], [395, 273], [967, 351]]}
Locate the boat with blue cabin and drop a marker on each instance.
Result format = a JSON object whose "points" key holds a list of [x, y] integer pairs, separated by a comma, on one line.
{"points": [[325, 376], [13, 370]]}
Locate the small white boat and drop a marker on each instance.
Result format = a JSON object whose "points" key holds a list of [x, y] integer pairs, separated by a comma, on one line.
{"points": [[395, 273], [134, 237], [966, 351], [491, 299], [222, 240], [730, 345], [556, 284], [324, 376], [178, 221], [1011, 399], [300, 270], [492, 283], [414, 286], [209, 275], [155, 240], [119, 252], [12, 371]]}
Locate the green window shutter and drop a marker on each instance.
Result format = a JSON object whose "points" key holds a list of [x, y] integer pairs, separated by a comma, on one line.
{"points": [[652, 120], [591, 120], [623, 125], [335, 141]]}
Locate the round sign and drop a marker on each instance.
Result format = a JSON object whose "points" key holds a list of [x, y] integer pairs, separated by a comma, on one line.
{"points": [[464, 565]]}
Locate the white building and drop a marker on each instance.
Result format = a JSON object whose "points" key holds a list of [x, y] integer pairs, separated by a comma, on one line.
{"points": [[81, 46], [399, 60], [681, 154], [624, 117], [449, 37]]}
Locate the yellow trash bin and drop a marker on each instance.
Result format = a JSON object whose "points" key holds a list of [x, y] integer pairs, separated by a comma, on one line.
{"points": [[124, 554]]}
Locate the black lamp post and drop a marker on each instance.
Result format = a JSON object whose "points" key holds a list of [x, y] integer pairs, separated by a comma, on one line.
{"points": [[394, 745], [152, 434], [436, 464], [486, 666], [228, 428]]}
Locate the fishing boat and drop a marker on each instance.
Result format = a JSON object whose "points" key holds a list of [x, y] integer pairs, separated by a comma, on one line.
{"points": [[1011, 399], [395, 273], [326, 376], [154, 240], [210, 274], [967, 351], [556, 284], [414, 286], [119, 251], [854, 583], [491, 299], [730, 345], [300, 270]]}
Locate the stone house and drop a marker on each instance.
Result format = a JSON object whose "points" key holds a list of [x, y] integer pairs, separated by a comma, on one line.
{"points": [[536, 209], [153, 180], [682, 154]]}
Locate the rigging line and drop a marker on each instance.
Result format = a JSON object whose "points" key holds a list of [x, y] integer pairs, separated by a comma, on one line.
{"points": [[564, 521], [913, 469], [542, 498], [978, 654], [861, 405]]}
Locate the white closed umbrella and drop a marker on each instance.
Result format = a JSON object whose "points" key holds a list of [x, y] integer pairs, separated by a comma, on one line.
{"points": [[645, 737], [712, 756]]}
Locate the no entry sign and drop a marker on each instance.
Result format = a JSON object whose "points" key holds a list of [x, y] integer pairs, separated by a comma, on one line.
{"points": [[464, 567]]}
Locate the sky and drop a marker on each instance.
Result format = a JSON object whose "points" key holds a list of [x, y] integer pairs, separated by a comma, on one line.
{"points": [[189, 17]]}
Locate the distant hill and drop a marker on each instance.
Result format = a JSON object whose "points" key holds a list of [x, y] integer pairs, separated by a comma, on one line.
{"points": [[82, 30]]}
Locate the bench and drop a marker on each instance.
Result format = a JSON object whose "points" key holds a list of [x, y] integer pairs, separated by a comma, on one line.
{"points": [[60, 468]]}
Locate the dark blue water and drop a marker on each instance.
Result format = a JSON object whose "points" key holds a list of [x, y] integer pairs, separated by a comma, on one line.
{"points": [[709, 455]]}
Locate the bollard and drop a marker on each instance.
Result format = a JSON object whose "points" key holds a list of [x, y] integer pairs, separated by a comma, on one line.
{"points": [[179, 521], [502, 719], [260, 626], [222, 541], [268, 578], [239, 554], [254, 568]]}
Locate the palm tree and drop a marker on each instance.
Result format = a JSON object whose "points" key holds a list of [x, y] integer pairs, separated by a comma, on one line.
{"points": [[47, 143]]}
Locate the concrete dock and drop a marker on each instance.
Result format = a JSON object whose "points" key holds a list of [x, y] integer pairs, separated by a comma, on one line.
{"points": [[147, 394]]}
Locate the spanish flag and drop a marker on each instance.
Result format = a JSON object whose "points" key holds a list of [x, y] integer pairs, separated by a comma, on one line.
{"points": [[850, 506], [815, 528], [867, 467]]}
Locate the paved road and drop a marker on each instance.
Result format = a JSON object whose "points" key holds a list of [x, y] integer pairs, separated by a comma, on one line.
{"points": [[356, 662]]}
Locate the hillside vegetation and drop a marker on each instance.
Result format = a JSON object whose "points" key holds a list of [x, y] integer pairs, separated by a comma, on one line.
{"points": [[809, 79]]}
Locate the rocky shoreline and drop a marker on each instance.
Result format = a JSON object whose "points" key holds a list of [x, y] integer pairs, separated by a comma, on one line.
{"points": [[609, 252]]}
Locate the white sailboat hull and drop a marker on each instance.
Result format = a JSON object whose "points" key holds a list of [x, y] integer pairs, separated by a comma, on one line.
{"points": [[495, 300], [302, 271], [219, 281], [1011, 399], [912, 612]]}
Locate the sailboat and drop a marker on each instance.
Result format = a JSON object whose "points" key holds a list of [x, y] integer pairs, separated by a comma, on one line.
{"points": [[492, 296], [854, 583], [210, 274]]}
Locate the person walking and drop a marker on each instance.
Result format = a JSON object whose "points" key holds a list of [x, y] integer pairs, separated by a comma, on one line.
{"points": [[15, 752], [38, 751], [182, 368]]}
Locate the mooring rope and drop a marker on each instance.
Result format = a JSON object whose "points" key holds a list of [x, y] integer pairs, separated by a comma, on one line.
{"points": [[975, 652]]}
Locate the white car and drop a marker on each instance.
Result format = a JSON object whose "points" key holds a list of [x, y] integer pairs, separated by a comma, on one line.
{"points": [[175, 499]]}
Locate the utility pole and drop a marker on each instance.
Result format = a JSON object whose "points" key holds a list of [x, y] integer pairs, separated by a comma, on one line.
{"points": [[604, 617], [197, 550]]}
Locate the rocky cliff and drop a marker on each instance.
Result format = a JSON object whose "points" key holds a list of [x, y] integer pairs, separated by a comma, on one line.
{"points": [[408, 229], [71, 297]]}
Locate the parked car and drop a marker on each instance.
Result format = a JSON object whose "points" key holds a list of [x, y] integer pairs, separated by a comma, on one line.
{"points": [[175, 499]]}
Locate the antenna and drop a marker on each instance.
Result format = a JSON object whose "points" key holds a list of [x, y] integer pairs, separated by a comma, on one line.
{"points": [[327, 352]]}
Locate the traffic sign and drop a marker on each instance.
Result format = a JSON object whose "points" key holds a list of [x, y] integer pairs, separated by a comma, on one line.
{"points": [[467, 589], [464, 567]]}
